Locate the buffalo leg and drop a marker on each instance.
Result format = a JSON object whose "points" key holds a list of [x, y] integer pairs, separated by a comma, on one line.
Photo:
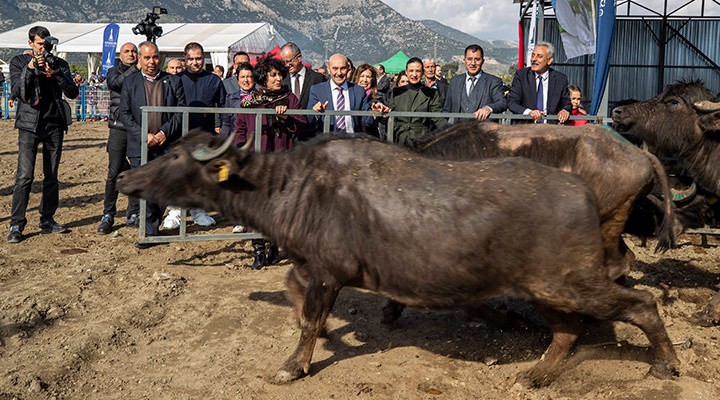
{"points": [[320, 295], [565, 330], [710, 315], [618, 303], [619, 258], [296, 287]]}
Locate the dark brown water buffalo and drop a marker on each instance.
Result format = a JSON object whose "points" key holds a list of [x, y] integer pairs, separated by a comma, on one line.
{"points": [[433, 234], [683, 123]]}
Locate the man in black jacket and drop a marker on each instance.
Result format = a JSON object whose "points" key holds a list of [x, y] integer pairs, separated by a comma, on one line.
{"points": [[151, 87], [117, 141], [41, 118]]}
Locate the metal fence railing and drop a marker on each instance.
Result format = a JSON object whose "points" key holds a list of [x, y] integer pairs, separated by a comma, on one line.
{"points": [[92, 103], [183, 236]]}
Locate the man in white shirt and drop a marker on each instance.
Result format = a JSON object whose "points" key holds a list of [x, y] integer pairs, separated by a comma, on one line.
{"points": [[300, 78]]}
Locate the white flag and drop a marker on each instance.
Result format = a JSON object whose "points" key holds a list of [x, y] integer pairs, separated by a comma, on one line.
{"points": [[577, 26]]}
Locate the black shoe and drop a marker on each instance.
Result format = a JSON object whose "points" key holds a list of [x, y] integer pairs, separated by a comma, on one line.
{"points": [[259, 261], [143, 246], [50, 226], [273, 256], [133, 220], [259, 247], [106, 224], [15, 235]]}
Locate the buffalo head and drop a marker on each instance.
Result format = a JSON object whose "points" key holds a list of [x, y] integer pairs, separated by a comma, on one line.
{"points": [[683, 116], [188, 174]]}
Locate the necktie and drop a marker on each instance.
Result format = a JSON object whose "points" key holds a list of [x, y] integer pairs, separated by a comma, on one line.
{"points": [[540, 100], [473, 80], [340, 119], [296, 89]]}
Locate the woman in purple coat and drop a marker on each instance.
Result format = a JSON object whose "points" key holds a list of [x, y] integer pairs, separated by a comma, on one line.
{"points": [[278, 131]]}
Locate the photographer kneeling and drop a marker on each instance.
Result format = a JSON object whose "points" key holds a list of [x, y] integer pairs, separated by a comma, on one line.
{"points": [[38, 81]]}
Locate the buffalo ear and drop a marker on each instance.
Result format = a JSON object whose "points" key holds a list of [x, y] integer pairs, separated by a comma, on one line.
{"points": [[221, 170], [710, 122]]}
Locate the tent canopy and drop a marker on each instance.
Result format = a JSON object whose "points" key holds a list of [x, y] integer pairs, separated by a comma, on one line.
{"points": [[220, 41], [396, 63]]}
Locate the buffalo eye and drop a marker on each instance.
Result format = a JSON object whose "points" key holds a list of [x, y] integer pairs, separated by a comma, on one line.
{"points": [[673, 102]]}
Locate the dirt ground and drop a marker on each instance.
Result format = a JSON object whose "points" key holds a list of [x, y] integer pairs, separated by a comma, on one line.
{"points": [[84, 316]]}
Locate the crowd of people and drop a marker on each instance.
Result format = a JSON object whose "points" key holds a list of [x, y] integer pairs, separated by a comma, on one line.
{"points": [[287, 83]]}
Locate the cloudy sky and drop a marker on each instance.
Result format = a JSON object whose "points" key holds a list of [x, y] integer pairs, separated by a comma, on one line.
{"points": [[497, 19]]}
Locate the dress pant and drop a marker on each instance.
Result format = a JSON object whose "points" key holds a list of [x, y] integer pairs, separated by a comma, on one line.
{"points": [[154, 212], [28, 142], [117, 163]]}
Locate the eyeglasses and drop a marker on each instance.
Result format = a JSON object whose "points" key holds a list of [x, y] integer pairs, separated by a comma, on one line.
{"points": [[291, 60]]}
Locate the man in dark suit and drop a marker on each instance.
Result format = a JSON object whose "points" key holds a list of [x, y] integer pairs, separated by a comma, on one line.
{"points": [[526, 99], [383, 80], [476, 91], [231, 80], [151, 87], [339, 94], [300, 79], [432, 81]]}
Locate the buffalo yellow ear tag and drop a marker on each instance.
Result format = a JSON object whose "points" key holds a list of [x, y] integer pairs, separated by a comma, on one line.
{"points": [[224, 173]]}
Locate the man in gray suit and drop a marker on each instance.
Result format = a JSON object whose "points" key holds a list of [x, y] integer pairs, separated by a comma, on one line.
{"points": [[476, 91]]}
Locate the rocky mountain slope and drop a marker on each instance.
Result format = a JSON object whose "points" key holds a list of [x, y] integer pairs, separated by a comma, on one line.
{"points": [[365, 30]]}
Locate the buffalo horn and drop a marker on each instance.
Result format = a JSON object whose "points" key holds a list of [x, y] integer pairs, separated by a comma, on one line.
{"points": [[707, 105], [204, 153], [681, 195], [248, 145]]}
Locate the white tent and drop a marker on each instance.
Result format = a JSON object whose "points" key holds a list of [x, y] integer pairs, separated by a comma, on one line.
{"points": [[220, 41]]}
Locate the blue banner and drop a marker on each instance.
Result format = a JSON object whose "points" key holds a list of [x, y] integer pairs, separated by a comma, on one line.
{"points": [[603, 50], [110, 38]]}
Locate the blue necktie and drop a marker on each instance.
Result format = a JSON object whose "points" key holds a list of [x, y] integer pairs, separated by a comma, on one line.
{"points": [[540, 100]]}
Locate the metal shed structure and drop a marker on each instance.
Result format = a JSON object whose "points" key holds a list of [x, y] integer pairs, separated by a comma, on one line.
{"points": [[656, 43]]}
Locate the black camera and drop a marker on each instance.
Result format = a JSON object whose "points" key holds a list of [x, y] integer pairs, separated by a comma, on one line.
{"points": [[51, 61], [148, 26]]}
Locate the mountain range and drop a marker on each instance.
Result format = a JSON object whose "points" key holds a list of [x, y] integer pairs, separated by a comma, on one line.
{"points": [[364, 30]]}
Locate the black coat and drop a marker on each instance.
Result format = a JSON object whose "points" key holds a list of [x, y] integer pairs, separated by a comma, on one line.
{"points": [[311, 78], [133, 97], [25, 88], [115, 79], [523, 92]]}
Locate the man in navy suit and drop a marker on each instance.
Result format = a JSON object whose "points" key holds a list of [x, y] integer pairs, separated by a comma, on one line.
{"points": [[339, 94], [526, 99], [151, 87], [475, 92]]}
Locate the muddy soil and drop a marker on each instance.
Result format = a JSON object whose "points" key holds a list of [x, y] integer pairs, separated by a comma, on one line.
{"points": [[85, 316]]}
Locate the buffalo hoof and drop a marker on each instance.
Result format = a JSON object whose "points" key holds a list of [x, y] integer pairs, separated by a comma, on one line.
{"points": [[665, 371], [527, 380], [287, 375], [708, 316], [705, 318]]}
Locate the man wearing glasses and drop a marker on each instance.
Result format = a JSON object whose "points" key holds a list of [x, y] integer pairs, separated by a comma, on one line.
{"points": [[300, 79]]}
